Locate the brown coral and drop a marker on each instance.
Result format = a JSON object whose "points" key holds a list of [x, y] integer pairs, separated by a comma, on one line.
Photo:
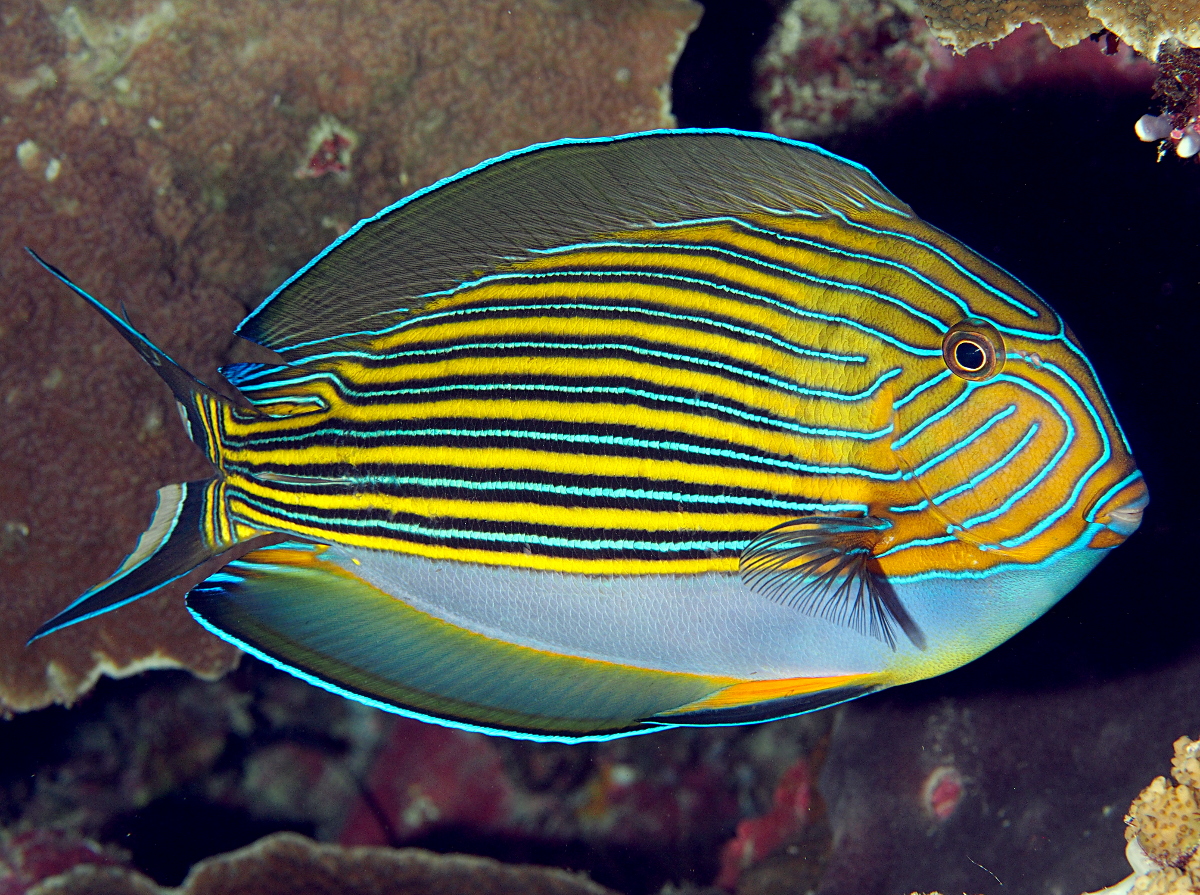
{"points": [[151, 153], [288, 864], [1143, 24]]}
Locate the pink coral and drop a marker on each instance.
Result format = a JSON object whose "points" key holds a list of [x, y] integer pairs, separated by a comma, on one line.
{"points": [[942, 791], [427, 777], [760, 836], [30, 857]]}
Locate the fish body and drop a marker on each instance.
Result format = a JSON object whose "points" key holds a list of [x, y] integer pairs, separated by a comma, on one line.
{"points": [[605, 436]]}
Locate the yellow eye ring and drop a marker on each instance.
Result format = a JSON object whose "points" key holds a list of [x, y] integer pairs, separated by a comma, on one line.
{"points": [[973, 350]]}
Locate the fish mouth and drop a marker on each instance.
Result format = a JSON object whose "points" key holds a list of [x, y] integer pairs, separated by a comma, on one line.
{"points": [[1126, 520], [1120, 512]]}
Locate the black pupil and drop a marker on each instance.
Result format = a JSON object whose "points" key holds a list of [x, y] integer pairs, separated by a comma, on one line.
{"points": [[969, 356]]}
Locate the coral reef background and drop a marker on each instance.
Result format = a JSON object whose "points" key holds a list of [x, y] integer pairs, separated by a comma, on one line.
{"points": [[182, 158]]}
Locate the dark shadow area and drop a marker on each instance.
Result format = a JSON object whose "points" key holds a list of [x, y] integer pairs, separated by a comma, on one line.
{"points": [[1057, 730], [1107, 237], [714, 78], [632, 870], [168, 836]]}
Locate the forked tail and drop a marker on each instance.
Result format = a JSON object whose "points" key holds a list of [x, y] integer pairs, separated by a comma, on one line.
{"points": [[190, 524]]}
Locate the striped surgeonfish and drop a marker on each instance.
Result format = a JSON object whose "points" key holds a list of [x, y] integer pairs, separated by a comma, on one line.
{"points": [[605, 436]]}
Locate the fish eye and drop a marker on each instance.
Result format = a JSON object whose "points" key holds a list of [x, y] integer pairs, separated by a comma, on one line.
{"points": [[973, 350], [970, 355]]}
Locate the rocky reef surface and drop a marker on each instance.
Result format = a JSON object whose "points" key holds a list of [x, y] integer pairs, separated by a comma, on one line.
{"points": [[288, 864], [182, 158]]}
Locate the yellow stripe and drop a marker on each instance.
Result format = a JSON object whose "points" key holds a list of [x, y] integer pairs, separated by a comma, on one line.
{"points": [[498, 511], [599, 566]]}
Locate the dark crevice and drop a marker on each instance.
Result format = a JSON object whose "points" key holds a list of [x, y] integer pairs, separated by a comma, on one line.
{"points": [[714, 78]]}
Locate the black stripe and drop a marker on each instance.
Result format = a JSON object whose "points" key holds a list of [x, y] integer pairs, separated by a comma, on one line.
{"points": [[566, 390], [366, 435], [528, 485]]}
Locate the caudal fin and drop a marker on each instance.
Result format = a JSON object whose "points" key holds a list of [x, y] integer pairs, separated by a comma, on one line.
{"points": [[191, 523], [188, 528], [200, 404]]}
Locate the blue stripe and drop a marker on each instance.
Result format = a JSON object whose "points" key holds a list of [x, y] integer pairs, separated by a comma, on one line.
{"points": [[109, 582], [999, 464], [1045, 470], [969, 387], [291, 381], [1073, 499], [927, 384], [537, 147], [1080, 544], [626, 310], [914, 508], [918, 542], [1103, 498], [1100, 388], [707, 249], [621, 309], [610, 493], [977, 280], [962, 443], [407, 713], [674, 278], [511, 388], [820, 245]]}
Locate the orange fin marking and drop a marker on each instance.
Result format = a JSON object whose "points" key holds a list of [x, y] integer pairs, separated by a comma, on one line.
{"points": [[752, 692]]}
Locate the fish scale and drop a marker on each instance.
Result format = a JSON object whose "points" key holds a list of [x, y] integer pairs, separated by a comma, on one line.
{"points": [[610, 435]]}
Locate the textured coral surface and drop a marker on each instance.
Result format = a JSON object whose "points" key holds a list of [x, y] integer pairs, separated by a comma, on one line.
{"points": [[1143, 24], [34, 855], [842, 66], [183, 158], [1165, 822], [834, 66], [288, 864]]}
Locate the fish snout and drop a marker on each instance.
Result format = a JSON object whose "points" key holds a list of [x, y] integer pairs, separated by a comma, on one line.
{"points": [[1120, 513]]}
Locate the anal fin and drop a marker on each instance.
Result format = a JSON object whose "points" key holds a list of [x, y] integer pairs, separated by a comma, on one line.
{"points": [[317, 620]]}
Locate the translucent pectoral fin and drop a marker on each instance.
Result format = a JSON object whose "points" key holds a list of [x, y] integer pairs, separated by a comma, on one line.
{"points": [[824, 566], [315, 619], [188, 528]]}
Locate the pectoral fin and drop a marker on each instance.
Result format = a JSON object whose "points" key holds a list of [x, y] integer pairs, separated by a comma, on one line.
{"points": [[313, 618], [824, 566]]}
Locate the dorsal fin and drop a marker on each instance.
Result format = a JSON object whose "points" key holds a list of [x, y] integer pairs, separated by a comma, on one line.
{"points": [[544, 196]]}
